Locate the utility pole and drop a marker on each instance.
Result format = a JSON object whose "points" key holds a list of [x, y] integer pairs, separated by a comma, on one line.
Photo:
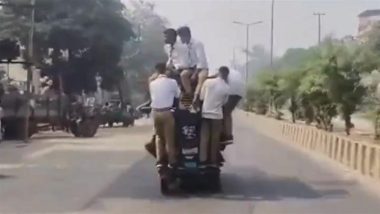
{"points": [[319, 25], [30, 68], [247, 26], [272, 35], [30, 44]]}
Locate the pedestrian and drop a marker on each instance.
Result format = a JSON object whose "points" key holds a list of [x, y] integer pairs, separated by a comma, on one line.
{"points": [[214, 95], [163, 92]]}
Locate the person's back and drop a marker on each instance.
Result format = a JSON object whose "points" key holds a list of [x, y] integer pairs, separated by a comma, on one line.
{"points": [[214, 95], [163, 92], [236, 83], [163, 97]]}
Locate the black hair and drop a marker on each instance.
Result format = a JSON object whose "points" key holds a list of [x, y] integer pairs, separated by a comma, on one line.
{"points": [[184, 31], [170, 31], [160, 68], [224, 71]]}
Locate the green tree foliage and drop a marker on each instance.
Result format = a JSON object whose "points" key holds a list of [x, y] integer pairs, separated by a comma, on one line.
{"points": [[9, 49], [320, 82], [140, 55], [90, 32]]}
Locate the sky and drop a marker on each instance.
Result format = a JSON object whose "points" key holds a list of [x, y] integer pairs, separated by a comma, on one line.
{"points": [[211, 22]]}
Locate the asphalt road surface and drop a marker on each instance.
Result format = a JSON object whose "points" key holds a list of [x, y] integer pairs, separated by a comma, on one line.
{"points": [[112, 174]]}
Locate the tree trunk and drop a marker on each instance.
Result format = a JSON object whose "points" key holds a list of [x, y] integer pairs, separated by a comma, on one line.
{"points": [[347, 122], [377, 126]]}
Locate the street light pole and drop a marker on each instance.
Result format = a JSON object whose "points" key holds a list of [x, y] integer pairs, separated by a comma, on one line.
{"points": [[31, 45], [30, 69], [272, 35], [247, 54], [319, 25], [247, 25]]}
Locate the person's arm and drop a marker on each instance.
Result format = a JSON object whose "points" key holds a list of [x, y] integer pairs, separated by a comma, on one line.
{"points": [[203, 90], [201, 56], [176, 89], [227, 94]]}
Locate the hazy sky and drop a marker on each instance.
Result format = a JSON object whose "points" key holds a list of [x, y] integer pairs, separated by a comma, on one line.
{"points": [[295, 24]]}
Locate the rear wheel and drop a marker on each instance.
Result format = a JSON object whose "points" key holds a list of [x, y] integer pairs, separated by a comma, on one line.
{"points": [[86, 128], [164, 186], [14, 129], [214, 184]]}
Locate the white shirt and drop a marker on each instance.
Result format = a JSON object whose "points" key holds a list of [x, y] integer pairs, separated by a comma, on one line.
{"points": [[235, 81], [187, 55], [198, 54], [163, 90], [177, 55], [214, 94]]}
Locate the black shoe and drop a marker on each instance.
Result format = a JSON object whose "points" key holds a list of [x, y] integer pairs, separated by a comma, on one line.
{"points": [[213, 166], [203, 165], [161, 164], [173, 166]]}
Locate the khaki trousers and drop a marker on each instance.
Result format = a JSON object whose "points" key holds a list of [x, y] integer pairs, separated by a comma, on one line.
{"points": [[187, 76], [202, 76], [164, 126], [209, 142]]}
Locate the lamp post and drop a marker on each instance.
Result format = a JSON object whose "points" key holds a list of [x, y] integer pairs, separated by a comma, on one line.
{"points": [[272, 34], [247, 26], [319, 15]]}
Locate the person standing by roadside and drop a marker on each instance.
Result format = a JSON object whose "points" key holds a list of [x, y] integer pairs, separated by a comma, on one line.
{"points": [[214, 94], [163, 92]]}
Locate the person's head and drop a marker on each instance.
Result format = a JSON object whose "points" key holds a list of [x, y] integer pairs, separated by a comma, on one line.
{"points": [[160, 68], [170, 36], [185, 34], [224, 71]]}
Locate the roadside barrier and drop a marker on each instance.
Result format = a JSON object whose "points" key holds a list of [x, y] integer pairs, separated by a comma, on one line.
{"points": [[360, 156]]}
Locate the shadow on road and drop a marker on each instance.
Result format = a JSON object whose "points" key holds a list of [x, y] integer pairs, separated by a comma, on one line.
{"points": [[2, 177], [253, 184], [140, 181]]}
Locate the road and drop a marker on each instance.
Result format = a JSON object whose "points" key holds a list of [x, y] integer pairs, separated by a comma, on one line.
{"points": [[112, 174]]}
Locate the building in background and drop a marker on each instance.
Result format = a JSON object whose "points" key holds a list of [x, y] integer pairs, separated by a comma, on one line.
{"points": [[367, 19]]}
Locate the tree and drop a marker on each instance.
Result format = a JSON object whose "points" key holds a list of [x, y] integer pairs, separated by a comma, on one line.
{"points": [[268, 83], [289, 83], [140, 56], [9, 49], [79, 28]]}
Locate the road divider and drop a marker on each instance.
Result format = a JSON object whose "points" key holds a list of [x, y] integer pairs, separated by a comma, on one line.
{"points": [[359, 156]]}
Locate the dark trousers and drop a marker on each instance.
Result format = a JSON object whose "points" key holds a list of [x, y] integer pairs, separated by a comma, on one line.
{"points": [[233, 101]]}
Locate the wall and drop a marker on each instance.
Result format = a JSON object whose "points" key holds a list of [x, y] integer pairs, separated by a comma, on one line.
{"points": [[359, 156]]}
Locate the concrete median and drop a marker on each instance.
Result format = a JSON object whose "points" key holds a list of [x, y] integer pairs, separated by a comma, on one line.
{"points": [[359, 156]]}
